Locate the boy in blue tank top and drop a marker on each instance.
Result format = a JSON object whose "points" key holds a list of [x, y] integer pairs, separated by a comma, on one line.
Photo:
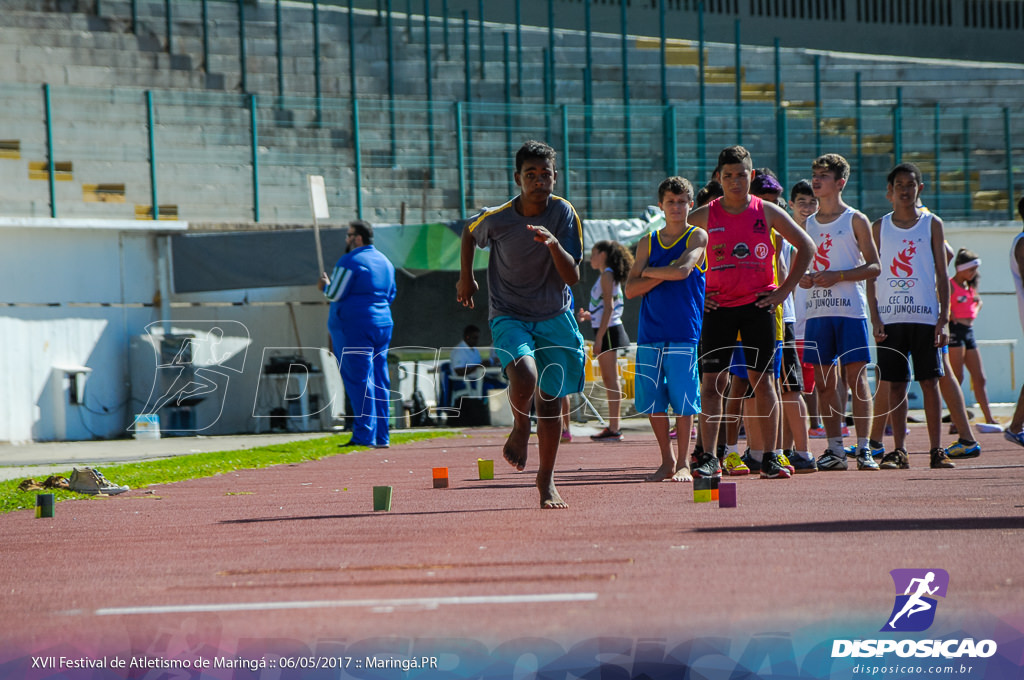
{"points": [[669, 273]]}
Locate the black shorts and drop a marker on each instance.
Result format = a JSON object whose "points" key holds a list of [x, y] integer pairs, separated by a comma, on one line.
{"points": [[791, 369], [916, 340], [961, 336], [756, 328], [615, 338]]}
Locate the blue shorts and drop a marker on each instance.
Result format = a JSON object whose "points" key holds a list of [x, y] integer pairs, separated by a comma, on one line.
{"points": [[667, 375], [834, 339], [738, 366], [555, 345]]}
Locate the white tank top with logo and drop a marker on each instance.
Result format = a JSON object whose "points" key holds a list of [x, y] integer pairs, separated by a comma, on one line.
{"points": [[906, 287], [597, 309], [835, 249]]}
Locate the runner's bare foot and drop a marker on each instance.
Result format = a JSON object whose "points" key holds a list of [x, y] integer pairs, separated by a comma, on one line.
{"points": [[549, 498], [682, 475], [516, 448], [661, 474]]}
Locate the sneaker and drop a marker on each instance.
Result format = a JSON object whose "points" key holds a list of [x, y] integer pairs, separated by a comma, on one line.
{"points": [[734, 465], [607, 435], [672, 434], [752, 465], [817, 433], [91, 481], [803, 466], [830, 461], [940, 459], [783, 460], [707, 468], [695, 455], [865, 461], [1015, 437], [850, 451], [960, 449], [895, 460], [846, 430], [566, 436], [771, 467], [877, 448]]}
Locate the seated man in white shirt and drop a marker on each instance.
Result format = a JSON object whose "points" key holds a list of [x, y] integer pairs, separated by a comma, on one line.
{"points": [[466, 361]]}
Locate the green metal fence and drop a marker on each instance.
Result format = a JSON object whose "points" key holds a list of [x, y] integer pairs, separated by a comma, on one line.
{"points": [[215, 157]]}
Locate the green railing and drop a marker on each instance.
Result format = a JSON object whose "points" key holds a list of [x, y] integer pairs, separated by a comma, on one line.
{"points": [[216, 157]]}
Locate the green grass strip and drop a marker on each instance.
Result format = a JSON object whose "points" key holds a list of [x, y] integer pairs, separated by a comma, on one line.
{"points": [[193, 466]]}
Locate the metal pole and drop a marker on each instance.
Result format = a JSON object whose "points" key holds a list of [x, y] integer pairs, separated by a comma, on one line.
{"points": [[781, 154], [241, 45], [739, 84], [859, 144], [461, 160], [469, 110], [135, 16], [625, 108], [357, 151], [351, 54], [49, 150], [151, 133], [551, 32], [483, 54], [1009, 162], [589, 72], [255, 159]]}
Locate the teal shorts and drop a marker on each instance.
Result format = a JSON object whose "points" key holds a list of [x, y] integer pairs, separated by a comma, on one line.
{"points": [[555, 345], [667, 375]]}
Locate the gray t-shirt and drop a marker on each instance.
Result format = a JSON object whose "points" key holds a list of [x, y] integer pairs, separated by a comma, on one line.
{"points": [[521, 275]]}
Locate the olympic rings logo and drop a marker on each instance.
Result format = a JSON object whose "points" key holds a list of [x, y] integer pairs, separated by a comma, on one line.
{"points": [[902, 283]]}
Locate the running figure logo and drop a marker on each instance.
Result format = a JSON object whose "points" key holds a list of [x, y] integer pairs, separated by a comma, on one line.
{"points": [[914, 610]]}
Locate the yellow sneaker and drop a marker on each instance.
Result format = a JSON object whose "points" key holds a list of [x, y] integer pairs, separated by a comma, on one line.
{"points": [[735, 466], [784, 462]]}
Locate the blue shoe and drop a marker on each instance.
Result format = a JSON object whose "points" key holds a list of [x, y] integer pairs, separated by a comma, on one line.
{"points": [[851, 451], [802, 466], [1017, 438], [962, 450], [876, 451]]}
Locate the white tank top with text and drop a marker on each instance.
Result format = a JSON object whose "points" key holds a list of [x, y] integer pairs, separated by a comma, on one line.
{"points": [[906, 287], [836, 248]]}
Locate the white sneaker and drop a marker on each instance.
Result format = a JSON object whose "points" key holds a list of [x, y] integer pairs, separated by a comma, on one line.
{"points": [[91, 481]]}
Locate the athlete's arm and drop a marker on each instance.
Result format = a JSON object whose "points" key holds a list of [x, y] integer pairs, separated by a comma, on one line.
{"points": [[467, 286], [876, 320], [636, 284], [780, 221], [681, 267], [941, 282]]}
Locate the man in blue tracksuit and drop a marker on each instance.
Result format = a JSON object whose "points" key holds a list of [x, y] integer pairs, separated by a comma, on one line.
{"points": [[361, 289]]}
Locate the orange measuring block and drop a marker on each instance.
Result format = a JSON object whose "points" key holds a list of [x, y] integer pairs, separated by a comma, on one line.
{"points": [[440, 478]]}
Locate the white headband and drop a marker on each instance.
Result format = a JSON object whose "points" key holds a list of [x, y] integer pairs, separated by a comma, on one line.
{"points": [[968, 265]]}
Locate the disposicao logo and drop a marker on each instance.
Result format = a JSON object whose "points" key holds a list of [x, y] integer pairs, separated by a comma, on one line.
{"points": [[914, 611]]}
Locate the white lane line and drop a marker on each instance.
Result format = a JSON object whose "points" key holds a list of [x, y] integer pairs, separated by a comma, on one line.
{"points": [[424, 602]]}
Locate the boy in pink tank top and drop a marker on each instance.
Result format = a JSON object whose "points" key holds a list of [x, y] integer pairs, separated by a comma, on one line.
{"points": [[741, 298]]}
